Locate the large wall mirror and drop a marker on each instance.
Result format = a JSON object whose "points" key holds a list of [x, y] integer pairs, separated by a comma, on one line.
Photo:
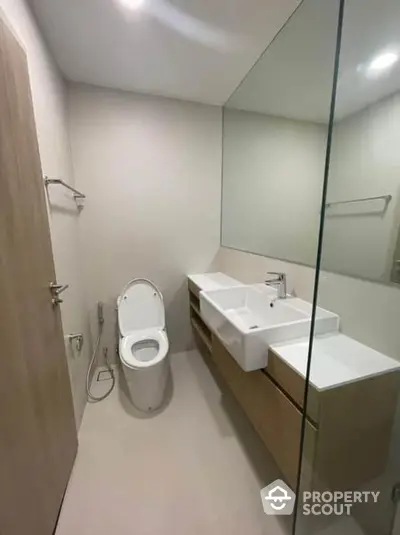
{"points": [[275, 142]]}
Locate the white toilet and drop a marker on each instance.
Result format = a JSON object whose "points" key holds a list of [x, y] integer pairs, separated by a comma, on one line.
{"points": [[143, 345]]}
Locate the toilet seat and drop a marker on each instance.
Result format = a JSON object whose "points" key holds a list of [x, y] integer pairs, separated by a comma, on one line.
{"points": [[127, 343], [140, 307]]}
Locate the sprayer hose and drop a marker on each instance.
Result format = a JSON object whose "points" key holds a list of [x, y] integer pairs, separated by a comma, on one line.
{"points": [[91, 397]]}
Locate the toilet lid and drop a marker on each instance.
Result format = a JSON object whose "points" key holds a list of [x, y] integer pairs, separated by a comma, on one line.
{"points": [[140, 306]]}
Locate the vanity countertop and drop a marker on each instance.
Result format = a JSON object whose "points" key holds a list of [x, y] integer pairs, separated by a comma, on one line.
{"points": [[214, 281], [336, 360]]}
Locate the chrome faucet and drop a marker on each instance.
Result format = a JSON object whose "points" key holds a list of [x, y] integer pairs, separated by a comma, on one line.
{"points": [[279, 282]]}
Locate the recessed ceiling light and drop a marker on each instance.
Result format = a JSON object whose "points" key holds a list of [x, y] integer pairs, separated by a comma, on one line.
{"points": [[132, 4], [383, 62]]}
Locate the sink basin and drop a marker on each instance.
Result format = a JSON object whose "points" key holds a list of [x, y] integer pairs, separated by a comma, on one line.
{"points": [[248, 319]]}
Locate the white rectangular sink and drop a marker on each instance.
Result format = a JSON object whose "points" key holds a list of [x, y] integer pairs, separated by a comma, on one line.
{"points": [[248, 319]]}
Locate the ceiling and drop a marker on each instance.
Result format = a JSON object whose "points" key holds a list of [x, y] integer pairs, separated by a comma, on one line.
{"points": [[294, 77], [196, 50]]}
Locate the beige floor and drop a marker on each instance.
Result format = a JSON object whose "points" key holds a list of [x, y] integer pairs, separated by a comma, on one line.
{"points": [[196, 468]]}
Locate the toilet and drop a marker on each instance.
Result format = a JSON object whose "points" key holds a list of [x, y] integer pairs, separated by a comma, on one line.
{"points": [[143, 344]]}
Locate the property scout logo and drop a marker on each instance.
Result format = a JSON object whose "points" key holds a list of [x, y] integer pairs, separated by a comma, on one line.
{"points": [[279, 499]]}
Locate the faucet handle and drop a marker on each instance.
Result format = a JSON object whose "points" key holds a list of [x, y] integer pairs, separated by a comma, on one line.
{"points": [[279, 274], [280, 281]]}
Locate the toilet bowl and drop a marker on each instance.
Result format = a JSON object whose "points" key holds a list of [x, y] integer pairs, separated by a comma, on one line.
{"points": [[143, 344]]}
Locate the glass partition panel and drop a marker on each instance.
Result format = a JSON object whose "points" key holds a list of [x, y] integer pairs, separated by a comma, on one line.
{"points": [[276, 127], [350, 482]]}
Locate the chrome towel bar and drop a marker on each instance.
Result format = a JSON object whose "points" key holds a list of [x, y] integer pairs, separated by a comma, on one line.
{"points": [[77, 194], [386, 198]]}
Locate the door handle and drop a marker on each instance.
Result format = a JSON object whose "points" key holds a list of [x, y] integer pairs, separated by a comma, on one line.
{"points": [[56, 290]]}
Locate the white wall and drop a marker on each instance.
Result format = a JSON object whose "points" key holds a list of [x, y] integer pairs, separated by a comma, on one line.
{"points": [[365, 161], [49, 102], [151, 170], [273, 175]]}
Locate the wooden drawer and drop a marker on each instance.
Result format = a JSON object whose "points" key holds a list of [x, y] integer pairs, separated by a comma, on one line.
{"points": [[355, 432], [273, 415], [294, 385]]}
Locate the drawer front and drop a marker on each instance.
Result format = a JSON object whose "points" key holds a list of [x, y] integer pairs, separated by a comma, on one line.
{"points": [[273, 415], [293, 384]]}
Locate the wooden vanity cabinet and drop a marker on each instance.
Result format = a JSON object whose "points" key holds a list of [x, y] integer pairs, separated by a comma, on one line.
{"points": [[274, 416], [348, 428]]}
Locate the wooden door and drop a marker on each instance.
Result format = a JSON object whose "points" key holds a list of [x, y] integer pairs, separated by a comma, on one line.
{"points": [[37, 429]]}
